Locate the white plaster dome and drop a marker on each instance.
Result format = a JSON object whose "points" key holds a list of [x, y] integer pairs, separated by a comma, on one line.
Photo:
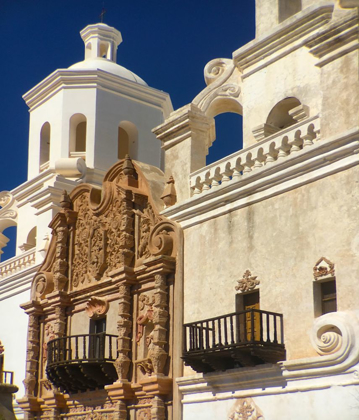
{"points": [[108, 66]]}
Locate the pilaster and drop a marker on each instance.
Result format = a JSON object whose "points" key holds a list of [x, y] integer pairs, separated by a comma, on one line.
{"points": [[186, 137]]}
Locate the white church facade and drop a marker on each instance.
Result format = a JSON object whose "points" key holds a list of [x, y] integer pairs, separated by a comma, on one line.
{"points": [[229, 292]]}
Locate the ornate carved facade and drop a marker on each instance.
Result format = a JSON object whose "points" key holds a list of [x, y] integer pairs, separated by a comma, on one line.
{"points": [[101, 310]]}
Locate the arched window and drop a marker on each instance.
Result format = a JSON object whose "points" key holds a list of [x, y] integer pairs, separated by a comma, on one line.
{"points": [[280, 116], [44, 144], [127, 140], [288, 8], [78, 134], [228, 136]]}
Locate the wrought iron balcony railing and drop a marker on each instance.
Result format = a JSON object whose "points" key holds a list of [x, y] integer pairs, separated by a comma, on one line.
{"points": [[238, 339], [81, 362]]}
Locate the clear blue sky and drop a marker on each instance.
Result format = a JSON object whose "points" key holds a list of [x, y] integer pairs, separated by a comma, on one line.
{"points": [[166, 42]]}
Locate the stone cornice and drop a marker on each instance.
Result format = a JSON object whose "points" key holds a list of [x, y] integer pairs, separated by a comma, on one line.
{"points": [[72, 79], [288, 36], [318, 161]]}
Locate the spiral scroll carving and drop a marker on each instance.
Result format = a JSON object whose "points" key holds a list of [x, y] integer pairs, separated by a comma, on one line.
{"points": [[215, 68], [329, 341], [162, 239], [41, 285], [332, 333]]}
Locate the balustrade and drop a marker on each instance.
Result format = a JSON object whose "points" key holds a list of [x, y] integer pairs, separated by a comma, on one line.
{"points": [[80, 362], [17, 263], [238, 339], [271, 149]]}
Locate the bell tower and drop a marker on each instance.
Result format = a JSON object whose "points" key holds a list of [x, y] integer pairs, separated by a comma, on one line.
{"points": [[84, 118]]}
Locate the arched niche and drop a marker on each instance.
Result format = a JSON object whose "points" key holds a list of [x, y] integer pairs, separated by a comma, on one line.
{"points": [[280, 116], [127, 140], [228, 137], [45, 135], [288, 8], [78, 134]]}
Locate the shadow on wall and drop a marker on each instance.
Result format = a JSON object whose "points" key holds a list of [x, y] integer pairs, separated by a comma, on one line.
{"points": [[229, 136]]}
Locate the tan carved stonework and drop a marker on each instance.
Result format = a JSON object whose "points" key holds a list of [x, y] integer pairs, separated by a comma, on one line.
{"points": [[124, 324], [96, 307], [323, 268], [158, 339], [245, 409], [247, 282], [109, 245]]}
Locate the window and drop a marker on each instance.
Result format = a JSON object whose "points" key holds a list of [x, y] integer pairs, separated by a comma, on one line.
{"points": [[97, 338], [328, 296], [279, 117], [325, 297], [78, 134], [44, 144], [127, 140], [228, 135]]}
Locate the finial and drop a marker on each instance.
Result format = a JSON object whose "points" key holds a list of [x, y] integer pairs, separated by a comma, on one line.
{"points": [[103, 12], [65, 201], [169, 196], [127, 167]]}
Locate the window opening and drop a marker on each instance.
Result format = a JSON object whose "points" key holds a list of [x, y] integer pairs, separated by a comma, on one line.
{"points": [[45, 144], [97, 338], [229, 137], [328, 296]]}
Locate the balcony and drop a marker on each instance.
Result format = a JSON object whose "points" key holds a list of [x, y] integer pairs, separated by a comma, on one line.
{"points": [[82, 362], [240, 339]]}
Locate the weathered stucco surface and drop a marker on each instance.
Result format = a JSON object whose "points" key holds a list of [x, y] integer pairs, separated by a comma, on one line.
{"points": [[279, 240]]}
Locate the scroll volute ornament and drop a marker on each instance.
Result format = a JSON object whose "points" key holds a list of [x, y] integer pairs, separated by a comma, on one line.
{"points": [[42, 284], [162, 240], [96, 307]]}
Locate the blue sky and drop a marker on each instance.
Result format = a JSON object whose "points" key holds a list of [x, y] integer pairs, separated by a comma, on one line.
{"points": [[167, 43]]}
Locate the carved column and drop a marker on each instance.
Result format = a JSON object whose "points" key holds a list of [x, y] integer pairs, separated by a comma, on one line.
{"points": [[32, 354], [120, 412], [158, 410], [124, 323], [156, 352]]}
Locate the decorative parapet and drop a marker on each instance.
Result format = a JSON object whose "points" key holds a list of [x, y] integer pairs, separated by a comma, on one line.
{"points": [[18, 263], [273, 148]]}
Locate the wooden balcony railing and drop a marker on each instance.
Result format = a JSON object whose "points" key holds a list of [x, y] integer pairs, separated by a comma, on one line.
{"points": [[80, 362], [238, 339]]}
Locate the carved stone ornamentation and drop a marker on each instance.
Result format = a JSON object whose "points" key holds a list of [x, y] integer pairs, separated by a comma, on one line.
{"points": [[146, 306], [247, 282], [169, 195], [147, 219], [323, 268], [158, 410], [41, 285], [122, 363], [245, 409], [32, 355], [158, 337], [96, 307]]}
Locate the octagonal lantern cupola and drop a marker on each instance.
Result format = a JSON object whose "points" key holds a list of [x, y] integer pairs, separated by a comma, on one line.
{"points": [[86, 117], [101, 41]]}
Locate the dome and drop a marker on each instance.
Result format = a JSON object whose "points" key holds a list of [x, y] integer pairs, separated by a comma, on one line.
{"points": [[108, 66]]}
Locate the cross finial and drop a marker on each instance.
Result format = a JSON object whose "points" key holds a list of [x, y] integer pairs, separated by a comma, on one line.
{"points": [[102, 14]]}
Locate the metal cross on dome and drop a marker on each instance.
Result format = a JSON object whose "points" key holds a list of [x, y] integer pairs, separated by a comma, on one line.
{"points": [[102, 14]]}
